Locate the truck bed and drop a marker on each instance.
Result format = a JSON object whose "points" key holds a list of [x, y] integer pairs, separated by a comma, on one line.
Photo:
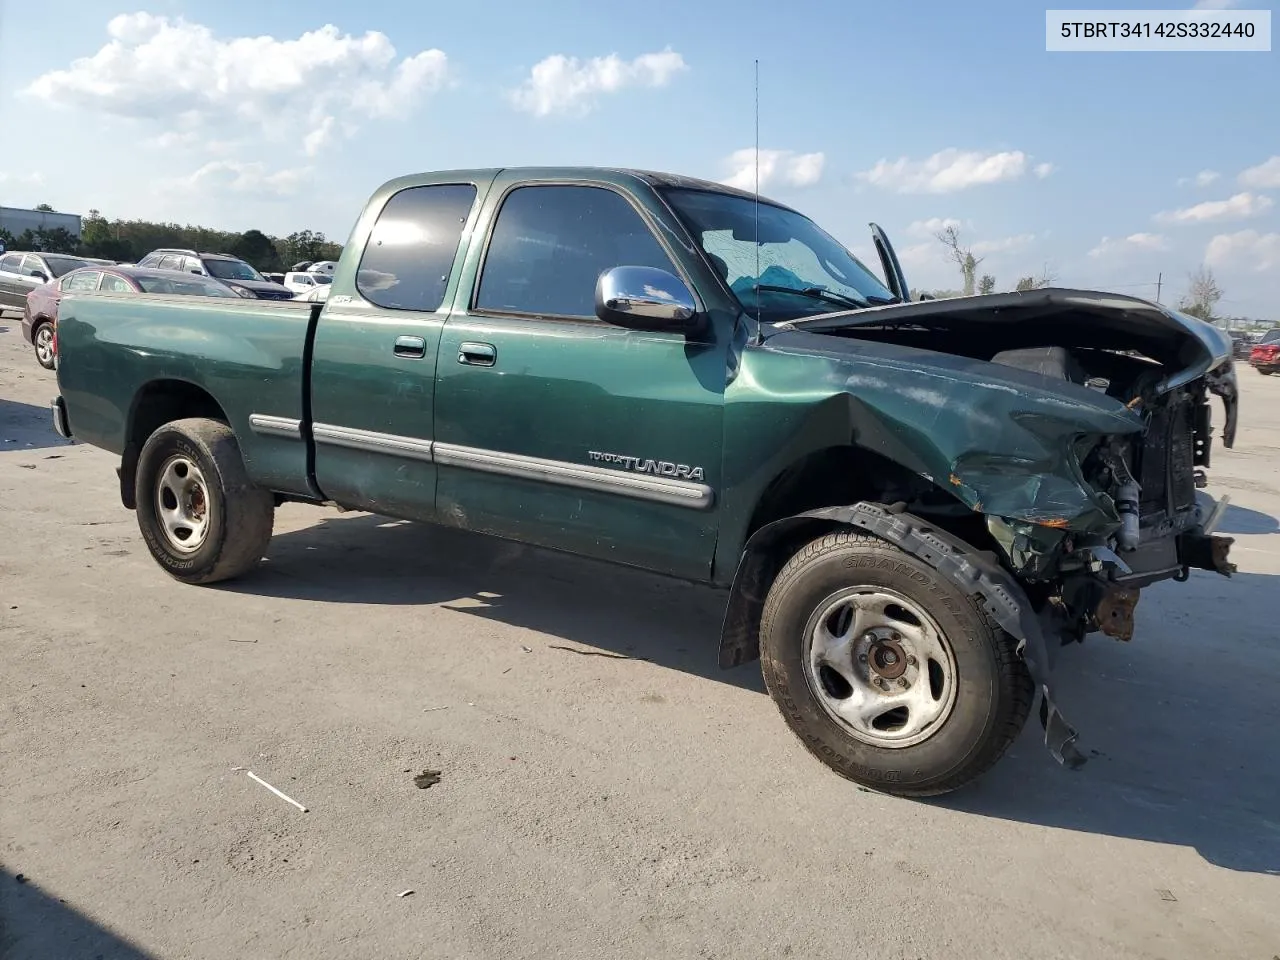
{"points": [[251, 354]]}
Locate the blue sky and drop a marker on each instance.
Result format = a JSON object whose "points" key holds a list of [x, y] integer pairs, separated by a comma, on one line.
{"points": [[910, 114]]}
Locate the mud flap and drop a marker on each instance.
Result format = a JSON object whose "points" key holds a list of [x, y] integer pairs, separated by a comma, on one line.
{"points": [[973, 573]]}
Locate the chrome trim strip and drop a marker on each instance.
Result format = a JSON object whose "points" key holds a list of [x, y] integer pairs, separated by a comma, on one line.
{"points": [[371, 441], [269, 426], [680, 493]]}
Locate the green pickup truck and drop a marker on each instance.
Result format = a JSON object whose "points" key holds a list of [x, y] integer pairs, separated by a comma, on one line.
{"points": [[908, 504]]}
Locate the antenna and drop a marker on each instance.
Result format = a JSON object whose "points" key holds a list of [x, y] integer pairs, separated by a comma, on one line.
{"points": [[757, 197]]}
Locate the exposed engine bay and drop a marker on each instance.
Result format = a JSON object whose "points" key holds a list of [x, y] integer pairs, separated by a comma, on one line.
{"points": [[1152, 521]]}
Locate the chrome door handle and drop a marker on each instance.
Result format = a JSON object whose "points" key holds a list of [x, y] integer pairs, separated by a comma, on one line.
{"points": [[477, 354], [414, 347]]}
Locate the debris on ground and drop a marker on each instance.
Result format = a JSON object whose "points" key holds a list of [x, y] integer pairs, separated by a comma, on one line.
{"points": [[21, 878], [282, 796], [404, 893], [434, 709], [1167, 895], [593, 653], [427, 778], [526, 649]]}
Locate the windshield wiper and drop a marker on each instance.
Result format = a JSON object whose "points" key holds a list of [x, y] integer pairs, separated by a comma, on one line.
{"points": [[815, 293]]}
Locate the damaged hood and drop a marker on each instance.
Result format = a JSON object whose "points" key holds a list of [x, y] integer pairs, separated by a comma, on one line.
{"points": [[1188, 348], [918, 385]]}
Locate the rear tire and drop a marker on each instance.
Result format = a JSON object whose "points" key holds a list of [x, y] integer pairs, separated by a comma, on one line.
{"points": [[42, 343], [886, 671], [201, 516]]}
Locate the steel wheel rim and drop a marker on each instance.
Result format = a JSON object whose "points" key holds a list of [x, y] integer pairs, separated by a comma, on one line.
{"points": [[880, 667], [182, 504], [44, 344]]}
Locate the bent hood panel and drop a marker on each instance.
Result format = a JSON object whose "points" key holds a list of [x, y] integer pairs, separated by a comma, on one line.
{"points": [[1000, 439], [1186, 346]]}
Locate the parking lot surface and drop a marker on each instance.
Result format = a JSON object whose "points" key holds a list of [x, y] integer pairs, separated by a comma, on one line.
{"points": [[605, 790]]}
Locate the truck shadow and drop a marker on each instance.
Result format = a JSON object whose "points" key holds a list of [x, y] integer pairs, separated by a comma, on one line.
{"points": [[364, 559], [1242, 520], [35, 925], [1181, 725], [24, 426]]}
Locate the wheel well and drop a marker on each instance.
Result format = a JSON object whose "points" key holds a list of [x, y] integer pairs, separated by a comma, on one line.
{"points": [[831, 477], [158, 403]]}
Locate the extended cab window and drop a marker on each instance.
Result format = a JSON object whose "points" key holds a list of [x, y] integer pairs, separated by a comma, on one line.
{"points": [[551, 243], [409, 256]]}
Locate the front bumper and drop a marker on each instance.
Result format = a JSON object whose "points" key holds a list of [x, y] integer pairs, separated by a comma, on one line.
{"points": [[58, 406]]}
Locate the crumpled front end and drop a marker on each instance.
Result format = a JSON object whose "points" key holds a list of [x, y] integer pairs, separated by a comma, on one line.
{"points": [[1079, 426]]}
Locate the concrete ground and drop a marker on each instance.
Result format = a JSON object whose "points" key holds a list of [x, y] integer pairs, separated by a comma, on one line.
{"points": [[605, 791]]}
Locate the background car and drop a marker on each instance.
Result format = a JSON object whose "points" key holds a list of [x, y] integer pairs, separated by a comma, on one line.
{"points": [[323, 266], [304, 281], [40, 309], [20, 273], [317, 294], [1265, 355], [238, 275]]}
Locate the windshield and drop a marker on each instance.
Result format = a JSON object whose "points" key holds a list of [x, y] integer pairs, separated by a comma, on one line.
{"points": [[231, 270], [321, 278], [185, 286], [802, 270], [1271, 336], [61, 265]]}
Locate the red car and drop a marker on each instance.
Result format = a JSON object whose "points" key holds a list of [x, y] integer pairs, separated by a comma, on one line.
{"points": [[40, 313], [1265, 355]]}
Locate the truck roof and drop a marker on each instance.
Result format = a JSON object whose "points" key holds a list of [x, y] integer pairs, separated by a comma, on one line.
{"points": [[653, 178]]}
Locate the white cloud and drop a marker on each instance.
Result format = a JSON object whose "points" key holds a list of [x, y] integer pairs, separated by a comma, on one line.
{"points": [[1107, 247], [21, 179], [1201, 179], [246, 179], [1246, 249], [318, 138], [567, 85], [179, 74], [949, 170], [1265, 175], [984, 248], [933, 226], [1043, 170], [1239, 207], [785, 166]]}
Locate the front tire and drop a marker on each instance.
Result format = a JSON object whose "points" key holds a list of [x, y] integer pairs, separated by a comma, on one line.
{"points": [[886, 671], [201, 516], [42, 343]]}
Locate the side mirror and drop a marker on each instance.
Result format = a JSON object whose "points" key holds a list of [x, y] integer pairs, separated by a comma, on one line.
{"points": [[645, 298]]}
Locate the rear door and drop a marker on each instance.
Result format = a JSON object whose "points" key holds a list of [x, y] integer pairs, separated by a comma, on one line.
{"points": [[555, 428], [374, 361], [10, 271]]}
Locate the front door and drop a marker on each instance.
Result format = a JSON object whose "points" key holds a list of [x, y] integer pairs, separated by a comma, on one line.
{"points": [[555, 428], [374, 360]]}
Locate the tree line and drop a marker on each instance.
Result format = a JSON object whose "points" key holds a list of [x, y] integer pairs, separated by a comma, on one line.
{"points": [[127, 241]]}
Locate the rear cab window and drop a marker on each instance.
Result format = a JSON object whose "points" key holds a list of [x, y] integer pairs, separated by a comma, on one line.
{"points": [[12, 263], [411, 250], [551, 242]]}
